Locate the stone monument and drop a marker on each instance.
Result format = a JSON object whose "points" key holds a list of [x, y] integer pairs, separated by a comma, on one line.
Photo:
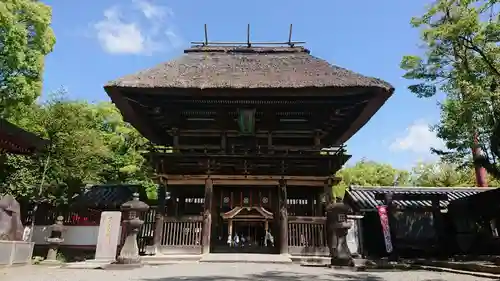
{"points": [[55, 239], [11, 228], [13, 250], [337, 227], [129, 254], [108, 237]]}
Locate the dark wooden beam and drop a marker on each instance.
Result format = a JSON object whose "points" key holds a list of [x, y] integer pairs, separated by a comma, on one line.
{"points": [[290, 156], [165, 100]]}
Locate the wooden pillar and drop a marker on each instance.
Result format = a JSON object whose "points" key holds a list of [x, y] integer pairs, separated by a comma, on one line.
{"points": [[159, 217], [328, 190], [439, 227], [283, 218], [319, 205], [207, 216]]}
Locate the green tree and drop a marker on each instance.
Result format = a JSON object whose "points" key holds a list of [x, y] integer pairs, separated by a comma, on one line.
{"points": [[126, 145], [25, 39], [369, 173], [441, 175], [452, 30], [90, 144]]}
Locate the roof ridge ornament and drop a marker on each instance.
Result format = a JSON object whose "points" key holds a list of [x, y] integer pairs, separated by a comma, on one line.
{"points": [[248, 43]]}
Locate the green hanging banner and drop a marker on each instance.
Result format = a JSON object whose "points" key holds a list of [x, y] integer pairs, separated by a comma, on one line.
{"points": [[246, 121]]}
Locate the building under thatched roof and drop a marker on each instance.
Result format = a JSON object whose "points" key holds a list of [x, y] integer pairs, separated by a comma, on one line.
{"points": [[258, 73], [16, 140]]}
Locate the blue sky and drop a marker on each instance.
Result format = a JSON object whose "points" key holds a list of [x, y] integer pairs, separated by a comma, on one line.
{"points": [[109, 38]]}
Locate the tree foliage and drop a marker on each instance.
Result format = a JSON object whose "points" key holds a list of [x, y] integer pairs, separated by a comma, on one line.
{"points": [[439, 174], [25, 39], [369, 173], [90, 144], [461, 55]]}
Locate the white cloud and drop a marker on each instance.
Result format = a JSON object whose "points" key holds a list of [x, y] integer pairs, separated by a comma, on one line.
{"points": [[141, 28], [418, 139], [151, 11]]}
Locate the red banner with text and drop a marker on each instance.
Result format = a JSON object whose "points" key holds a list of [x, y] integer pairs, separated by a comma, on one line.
{"points": [[384, 221]]}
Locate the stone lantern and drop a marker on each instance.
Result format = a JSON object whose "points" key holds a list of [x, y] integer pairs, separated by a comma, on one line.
{"points": [[55, 239], [337, 228], [132, 210]]}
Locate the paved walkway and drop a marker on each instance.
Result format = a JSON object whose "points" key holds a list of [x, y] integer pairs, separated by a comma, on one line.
{"points": [[223, 272], [245, 258]]}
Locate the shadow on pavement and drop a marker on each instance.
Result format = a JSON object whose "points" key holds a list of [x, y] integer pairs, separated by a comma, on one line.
{"points": [[279, 276]]}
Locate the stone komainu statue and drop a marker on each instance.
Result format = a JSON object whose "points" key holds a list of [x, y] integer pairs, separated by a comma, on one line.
{"points": [[11, 228], [337, 227]]}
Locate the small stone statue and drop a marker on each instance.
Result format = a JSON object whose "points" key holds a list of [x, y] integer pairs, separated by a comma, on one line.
{"points": [[337, 227], [129, 253], [55, 239], [11, 227]]}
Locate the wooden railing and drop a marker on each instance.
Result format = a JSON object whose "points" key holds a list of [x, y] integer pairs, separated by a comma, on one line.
{"points": [[307, 236], [182, 235]]}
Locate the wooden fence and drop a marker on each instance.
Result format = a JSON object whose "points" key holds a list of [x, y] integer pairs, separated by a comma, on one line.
{"points": [[182, 235], [307, 236]]}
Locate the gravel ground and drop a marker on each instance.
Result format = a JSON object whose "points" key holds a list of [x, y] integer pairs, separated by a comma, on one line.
{"points": [[222, 272]]}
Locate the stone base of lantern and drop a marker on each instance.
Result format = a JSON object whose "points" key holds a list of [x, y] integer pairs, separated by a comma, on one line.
{"points": [[134, 260]]}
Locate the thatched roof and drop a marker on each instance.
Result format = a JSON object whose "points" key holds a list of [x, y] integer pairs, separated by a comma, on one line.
{"points": [[244, 67]]}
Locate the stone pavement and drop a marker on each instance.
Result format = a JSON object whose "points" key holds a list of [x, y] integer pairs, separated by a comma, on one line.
{"points": [[245, 258], [224, 272], [473, 266]]}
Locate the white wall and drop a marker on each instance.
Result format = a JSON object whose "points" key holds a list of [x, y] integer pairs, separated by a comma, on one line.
{"points": [[74, 235]]}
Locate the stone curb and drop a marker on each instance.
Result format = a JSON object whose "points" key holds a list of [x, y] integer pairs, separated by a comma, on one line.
{"points": [[464, 272], [408, 267], [466, 267]]}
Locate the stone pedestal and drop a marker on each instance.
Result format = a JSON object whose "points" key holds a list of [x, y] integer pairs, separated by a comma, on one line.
{"points": [[129, 254], [15, 253], [13, 250]]}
